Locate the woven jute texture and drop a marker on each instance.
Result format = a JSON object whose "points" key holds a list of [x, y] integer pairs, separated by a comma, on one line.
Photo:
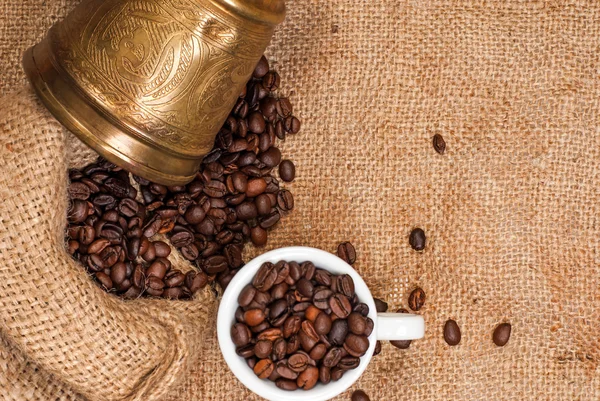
{"points": [[511, 210]]}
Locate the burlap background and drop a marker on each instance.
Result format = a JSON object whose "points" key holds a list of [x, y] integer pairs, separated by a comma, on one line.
{"points": [[511, 210]]}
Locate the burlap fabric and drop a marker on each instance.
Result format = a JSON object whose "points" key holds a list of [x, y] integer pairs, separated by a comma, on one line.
{"points": [[511, 210]]}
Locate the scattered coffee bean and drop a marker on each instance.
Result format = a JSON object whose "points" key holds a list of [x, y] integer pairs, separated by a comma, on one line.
{"points": [[452, 333], [306, 321], [233, 199], [380, 306], [360, 395], [416, 299], [287, 171], [417, 239], [439, 144], [502, 334], [346, 252]]}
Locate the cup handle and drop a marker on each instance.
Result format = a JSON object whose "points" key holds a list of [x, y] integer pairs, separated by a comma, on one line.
{"points": [[400, 326]]}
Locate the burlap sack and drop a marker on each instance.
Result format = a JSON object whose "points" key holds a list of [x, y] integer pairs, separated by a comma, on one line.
{"points": [[511, 210]]}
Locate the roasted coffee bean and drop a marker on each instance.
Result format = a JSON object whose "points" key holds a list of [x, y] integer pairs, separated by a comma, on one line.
{"points": [[324, 374], [439, 144], [361, 309], [270, 220], [254, 317], [356, 345], [215, 264], [271, 157], [293, 344], [271, 81], [279, 349], [194, 214], [360, 395], [78, 211], [311, 313], [369, 327], [321, 297], [340, 305], [157, 269], [78, 190], [285, 384], [333, 357], [416, 299], [349, 362], [247, 295], [318, 352], [298, 362], [377, 349], [502, 334], [263, 349], [323, 324], [118, 273], [452, 333], [262, 67], [357, 323], [285, 200], [265, 277], [260, 328], [338, 332], [287, 171], [308, 379], [291, 125], [264, 368], [380, 306], [307, 341], [195, 281], [417, 239], [240, 334], [174, 279], [291, 326], [346, 252]]}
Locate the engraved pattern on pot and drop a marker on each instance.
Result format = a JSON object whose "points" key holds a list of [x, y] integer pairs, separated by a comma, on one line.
{"points": [[166, 69]]}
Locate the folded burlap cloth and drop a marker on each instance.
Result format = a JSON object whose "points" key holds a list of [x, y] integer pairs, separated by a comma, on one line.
{"points": [[511, 210]]}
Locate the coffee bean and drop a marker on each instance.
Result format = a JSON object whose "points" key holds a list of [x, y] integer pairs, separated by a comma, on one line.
{"points": [[439, 144], [287, 171], [258, 235], [345, 285], [356, 345], [255, 187], [417, 239], [285, 200], [215, 264], [78, 190], [338, 332], [321, 297], [194, 214], [346, 252], [261, 68], [285, 384], [502, 334], [416, 299], [271, 157], [360, 395], [264, 368], [78, 211], [357, 323], [263, 349], [323, 324], [195, 281], [271, 80], [380, 305], [308, 379], [452, 333], [291, 125], [240, 334], [340, 305], [377, 349], [254, 317]]}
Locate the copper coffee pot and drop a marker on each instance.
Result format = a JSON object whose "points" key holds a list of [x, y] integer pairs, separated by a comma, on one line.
{"points": [[149, 83]]}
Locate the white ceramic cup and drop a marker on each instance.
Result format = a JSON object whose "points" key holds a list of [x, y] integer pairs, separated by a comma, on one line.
{"points": [[388, 326]]}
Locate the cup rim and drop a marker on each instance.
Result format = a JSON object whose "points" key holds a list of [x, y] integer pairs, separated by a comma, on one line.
{"points": [[229, 304]]}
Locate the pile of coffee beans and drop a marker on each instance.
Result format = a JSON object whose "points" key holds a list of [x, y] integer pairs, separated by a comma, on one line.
{"points": [[235, 198], [298, 325]]}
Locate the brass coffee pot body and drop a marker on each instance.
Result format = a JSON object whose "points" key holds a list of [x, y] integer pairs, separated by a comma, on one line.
{"points": [[149, 83]]}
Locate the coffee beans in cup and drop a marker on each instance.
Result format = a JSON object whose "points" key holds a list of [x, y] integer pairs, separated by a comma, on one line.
{"points": [[298, 325], [122, 230]]}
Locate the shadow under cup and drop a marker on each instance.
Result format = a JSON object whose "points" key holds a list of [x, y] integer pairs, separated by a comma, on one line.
{"points": [[226, 319]]}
